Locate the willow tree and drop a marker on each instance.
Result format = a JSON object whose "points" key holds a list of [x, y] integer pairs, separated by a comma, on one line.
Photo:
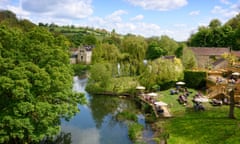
{"points": [[133, 53], [188, 59], [35, 85], [162, 71], [105, 52]]}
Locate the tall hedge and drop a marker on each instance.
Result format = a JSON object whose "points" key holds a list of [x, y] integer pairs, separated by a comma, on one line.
{"points": [[195, 79]]}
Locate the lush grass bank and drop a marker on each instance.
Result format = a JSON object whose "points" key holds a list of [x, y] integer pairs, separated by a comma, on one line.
{"points": [[115, 86], [211, 126]]}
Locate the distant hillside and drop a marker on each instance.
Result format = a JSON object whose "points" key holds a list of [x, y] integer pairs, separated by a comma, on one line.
{"points": [[77, 35]]}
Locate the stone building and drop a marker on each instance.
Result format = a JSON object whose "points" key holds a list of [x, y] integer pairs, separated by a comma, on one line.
{"points": [[81, 54], [210, 57]]}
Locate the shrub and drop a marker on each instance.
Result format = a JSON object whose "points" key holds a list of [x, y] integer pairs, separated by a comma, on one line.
{"points": [[79, 69], [126, 115], [134, 131], [195, 79]]}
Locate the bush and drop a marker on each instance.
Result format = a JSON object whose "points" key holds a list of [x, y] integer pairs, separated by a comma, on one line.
{"points": [[134, 131], [79, 69], [126, 115], [195, 79], [167, 85]]}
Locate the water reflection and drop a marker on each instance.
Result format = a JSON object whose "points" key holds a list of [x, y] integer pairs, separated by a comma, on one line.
{"points": [[96, 123], [62, 138]]}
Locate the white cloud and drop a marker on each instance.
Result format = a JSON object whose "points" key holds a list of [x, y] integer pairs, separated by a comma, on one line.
{"points": [[19, 12], [87, 136], [226, 12], [180, 25], [160, 5], [137, 18], [194, 13], [116, 16], [69, 12], [179, 32], [227, 2], [59, 8]]}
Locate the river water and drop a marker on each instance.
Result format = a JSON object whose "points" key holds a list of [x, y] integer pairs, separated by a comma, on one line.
{"points": [[96, 122]]}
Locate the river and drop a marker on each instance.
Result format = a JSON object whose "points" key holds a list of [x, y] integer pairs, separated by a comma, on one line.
{"points": [[96, 122]]}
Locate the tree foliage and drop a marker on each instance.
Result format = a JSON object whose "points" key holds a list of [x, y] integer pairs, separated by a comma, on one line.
{"points": [[133, 53], [105, 52], [161, 71], [155, 51], [218, 35], [35, 84], [188, 59], [168, 44], [100, 76]]}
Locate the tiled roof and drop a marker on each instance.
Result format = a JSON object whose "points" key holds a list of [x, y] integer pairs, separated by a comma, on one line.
{"points": [[209, 51], [236, 53], [169, 57], [218, 61], [88, 48]]}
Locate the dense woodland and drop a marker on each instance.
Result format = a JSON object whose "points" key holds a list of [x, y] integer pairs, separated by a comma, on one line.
{"points": [[36, 77]]}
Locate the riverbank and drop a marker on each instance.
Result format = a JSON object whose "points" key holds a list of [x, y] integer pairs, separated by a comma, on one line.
{"points": [[196, 127], [189, 126]]}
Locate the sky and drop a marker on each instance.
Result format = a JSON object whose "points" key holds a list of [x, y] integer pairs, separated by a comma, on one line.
{"points": [[177, 19]]}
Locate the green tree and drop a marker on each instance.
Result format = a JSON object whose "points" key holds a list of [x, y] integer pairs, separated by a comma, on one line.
{"points": [[155, 51], [179, 50], [89, 39], [100, 76], [6, 14], [215, 23], [162, 71], [188, 59], [234, 22], [200, 39], [217, 35], [105, 52], [236, 39], [134, 51], [35, 85], [76, 39], [168, 45], [113, 39]]}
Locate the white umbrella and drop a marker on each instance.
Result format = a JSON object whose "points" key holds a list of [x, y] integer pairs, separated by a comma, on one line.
{"points": [[180, 83], [236, 73], [160, 103], [201, 99], [152, 94], [140, 87]]}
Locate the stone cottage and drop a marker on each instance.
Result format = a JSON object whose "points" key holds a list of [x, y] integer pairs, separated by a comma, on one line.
{"points": [[210, 57], [81, 54]]}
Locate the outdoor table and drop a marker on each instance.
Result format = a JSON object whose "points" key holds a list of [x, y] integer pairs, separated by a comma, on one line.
{"points": [[160, 103], [201, 99]]}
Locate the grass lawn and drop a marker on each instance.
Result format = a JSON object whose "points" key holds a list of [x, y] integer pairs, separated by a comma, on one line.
{"points": [[187, 126]]}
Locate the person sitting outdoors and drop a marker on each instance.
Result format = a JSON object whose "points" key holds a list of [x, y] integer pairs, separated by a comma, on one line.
{"points": [[159, 109], [216, 102], [198, 106], [172, 92], [182, 99]]}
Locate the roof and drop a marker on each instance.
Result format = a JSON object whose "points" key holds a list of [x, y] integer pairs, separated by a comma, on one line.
{"points": [[169, 57], [217, 62], [210, 51], [236, 53], [88, 48]]}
